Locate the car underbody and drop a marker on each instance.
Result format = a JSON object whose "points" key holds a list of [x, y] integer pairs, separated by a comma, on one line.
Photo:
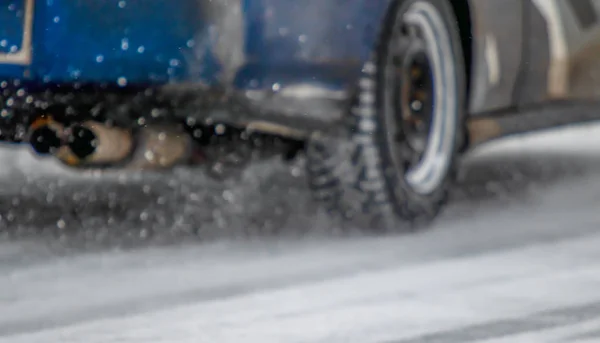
{"points": [[88, 126], [220, 129]]}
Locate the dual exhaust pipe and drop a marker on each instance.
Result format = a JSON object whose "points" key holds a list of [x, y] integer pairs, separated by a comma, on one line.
{"points": [[94, 144]]}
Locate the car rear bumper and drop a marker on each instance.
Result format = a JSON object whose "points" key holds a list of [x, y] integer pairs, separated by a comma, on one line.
{"points": [[96, 41], [248, 61], [245, 44]]}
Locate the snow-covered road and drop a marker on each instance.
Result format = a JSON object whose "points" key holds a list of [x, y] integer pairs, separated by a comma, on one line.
{"points": [[515, 259]]}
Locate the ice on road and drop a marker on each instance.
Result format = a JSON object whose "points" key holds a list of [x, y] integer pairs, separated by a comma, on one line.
{"points": [[514, 259]]}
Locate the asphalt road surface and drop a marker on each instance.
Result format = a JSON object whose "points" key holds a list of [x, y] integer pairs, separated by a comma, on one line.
{"points": [[179, 258]]}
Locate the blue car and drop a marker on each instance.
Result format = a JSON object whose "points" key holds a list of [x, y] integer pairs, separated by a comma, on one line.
{"points": [[381, 96]]}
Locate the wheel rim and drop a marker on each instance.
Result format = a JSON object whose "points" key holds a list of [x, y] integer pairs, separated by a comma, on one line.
{"points": [[420, 99]]}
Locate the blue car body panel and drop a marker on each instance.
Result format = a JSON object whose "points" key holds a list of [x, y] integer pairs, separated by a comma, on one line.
{"points": [[144, 42], [309, 40]]}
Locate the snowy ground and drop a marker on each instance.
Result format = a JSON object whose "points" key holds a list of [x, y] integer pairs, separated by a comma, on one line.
{"points": [[514, 259]]}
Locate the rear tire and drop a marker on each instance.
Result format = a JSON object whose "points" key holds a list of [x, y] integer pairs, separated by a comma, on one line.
{"points": [[385, 173]]}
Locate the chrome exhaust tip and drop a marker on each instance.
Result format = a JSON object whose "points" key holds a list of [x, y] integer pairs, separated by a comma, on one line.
{"points": [[44, 140], [82, 142], [92, 143], [45, 135]]}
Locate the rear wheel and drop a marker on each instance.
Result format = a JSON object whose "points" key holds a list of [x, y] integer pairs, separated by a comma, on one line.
{"points": [[406, 125]]}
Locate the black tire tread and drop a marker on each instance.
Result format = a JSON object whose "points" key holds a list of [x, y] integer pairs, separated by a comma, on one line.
{"points": [[353, 178]]}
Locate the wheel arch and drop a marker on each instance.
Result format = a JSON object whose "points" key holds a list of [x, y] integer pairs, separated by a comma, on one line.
{"points": [[462, 11]]}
